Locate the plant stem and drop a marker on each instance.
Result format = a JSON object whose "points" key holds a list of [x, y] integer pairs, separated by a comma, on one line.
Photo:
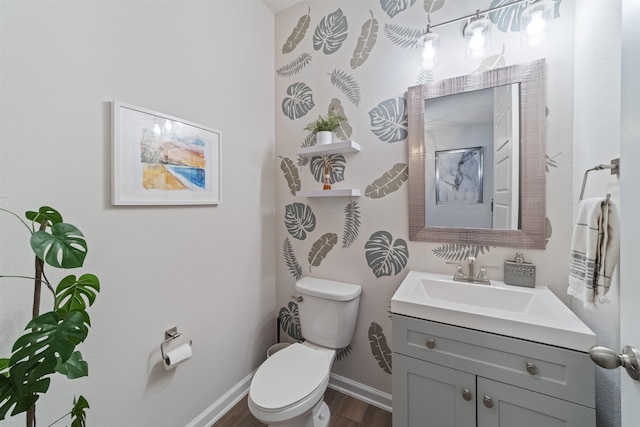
{"points": [[31, 416], [19, 219], [37, 287]]}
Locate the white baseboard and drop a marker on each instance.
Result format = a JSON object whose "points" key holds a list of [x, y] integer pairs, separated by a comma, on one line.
{"points": [[221, 406], [344, 385], [360, 391]]}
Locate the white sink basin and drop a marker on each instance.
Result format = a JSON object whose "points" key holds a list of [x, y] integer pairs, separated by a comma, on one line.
{"points": [[534, 314]]}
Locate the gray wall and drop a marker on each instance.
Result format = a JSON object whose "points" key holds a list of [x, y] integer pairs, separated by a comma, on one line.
{"points": [[207, 270]]}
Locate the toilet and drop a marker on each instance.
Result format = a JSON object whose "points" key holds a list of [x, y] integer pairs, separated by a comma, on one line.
{"points": [[287, 390]]}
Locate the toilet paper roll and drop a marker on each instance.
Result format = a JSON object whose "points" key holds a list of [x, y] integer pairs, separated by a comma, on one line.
{"points": [[177, 356]]}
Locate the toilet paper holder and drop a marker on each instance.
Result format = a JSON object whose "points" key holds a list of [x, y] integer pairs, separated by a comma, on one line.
{"points": [[170, 335]]}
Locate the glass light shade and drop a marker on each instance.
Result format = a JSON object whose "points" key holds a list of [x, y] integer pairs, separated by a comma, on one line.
{"points": [[430, 48], [535, 22], [477, 35]]}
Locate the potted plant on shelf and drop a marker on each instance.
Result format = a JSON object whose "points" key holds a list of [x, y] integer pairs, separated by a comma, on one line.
{"points": [[324, 126], [49, 345]]}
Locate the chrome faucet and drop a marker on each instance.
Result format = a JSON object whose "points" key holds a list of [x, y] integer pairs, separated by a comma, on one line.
{"points": [[470, 275]]}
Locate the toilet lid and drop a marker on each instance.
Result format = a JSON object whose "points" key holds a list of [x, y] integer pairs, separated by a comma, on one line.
{"points": [[288, 376]]}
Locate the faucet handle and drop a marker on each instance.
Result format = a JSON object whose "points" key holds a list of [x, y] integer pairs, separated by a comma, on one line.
{"points": [[482, 274]]}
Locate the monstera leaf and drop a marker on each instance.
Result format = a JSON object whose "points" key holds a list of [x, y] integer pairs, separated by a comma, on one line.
{"points": [[393, 7], [389, 182], [347, 85], [321, 248], [331, 32], [389, 120], [366, 41], [299, 101], [379, 347], [298, 33], [36, 354], [299, 220], [291, 260], [45, 213], [336, 173], [290, 321], [384, 256], [64, 247], [77, 294], [74, 367], [78, 415]]}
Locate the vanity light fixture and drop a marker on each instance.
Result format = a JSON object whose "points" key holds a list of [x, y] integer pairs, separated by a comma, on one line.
{"points": [[535, 20]]}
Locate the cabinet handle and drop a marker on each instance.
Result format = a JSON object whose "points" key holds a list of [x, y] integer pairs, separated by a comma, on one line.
{"points": [[431, 343], [532, 368], [466, 394], [488, 402]]}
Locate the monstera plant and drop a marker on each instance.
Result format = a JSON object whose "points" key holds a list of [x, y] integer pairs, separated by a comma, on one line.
{"points": [[49, 345]]}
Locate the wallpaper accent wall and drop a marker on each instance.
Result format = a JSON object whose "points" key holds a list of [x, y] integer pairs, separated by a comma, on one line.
{"points": [[359, 58]]}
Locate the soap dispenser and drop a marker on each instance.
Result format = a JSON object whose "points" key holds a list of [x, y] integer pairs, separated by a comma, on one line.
{"points": [[520, 273]]}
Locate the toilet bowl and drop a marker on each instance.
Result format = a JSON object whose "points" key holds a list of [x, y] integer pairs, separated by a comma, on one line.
{"points": [[287, 389]]}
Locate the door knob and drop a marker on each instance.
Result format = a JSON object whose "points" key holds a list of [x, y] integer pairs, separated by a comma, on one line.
{"points": [[466, 394], [609, 359]]}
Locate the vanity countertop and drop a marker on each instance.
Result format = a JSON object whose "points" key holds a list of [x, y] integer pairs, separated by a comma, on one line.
{"points": [[534, 314]]}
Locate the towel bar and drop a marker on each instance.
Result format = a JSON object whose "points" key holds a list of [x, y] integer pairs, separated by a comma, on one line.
{"points": [[615, 170]]}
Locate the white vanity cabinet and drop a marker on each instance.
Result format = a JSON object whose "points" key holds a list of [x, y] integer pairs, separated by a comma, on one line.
{"points": [[449, 376]]}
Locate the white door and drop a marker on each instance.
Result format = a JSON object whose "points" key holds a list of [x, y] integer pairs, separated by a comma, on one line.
{"points": [[506, 155], [630, 204]]}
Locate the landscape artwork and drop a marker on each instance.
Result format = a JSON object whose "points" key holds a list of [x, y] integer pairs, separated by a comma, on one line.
{"points": [[159, 159]]}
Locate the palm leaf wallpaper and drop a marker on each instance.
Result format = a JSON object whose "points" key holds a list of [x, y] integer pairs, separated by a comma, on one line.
{"points": [[358, 59]]}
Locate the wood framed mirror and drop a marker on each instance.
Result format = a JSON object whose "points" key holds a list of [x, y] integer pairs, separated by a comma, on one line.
{"points": [[473, 179]]}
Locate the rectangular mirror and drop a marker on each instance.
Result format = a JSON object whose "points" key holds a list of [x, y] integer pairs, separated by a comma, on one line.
{"points": [[476, 158]]}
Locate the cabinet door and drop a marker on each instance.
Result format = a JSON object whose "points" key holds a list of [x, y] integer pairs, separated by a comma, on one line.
{"points": [[430, 395], [503, 405]]}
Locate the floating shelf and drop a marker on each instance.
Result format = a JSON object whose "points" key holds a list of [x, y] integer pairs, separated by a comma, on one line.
{"points": [[333, 148], [345, 192]]}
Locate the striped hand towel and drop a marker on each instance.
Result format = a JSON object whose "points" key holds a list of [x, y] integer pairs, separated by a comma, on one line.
{"points": [[595, 249]]}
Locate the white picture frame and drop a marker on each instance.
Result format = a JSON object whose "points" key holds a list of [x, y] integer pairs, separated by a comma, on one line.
{"points": [[159, 159]]}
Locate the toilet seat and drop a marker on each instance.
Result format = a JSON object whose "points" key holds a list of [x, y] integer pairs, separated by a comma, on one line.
{"points": [[289, 377]]}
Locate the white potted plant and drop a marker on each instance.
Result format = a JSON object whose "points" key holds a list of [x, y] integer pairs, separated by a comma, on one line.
{"points": [[325, 126]]}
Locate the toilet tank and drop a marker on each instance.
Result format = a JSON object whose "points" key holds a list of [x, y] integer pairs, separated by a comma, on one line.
{"points": [[328, 311]]}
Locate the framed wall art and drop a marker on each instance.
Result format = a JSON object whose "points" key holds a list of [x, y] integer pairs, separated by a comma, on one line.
{"points": [[158, 159], [459, 175]]}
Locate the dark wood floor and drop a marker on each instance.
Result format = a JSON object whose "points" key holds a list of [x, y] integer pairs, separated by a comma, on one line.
{"points": [[345, 412]]}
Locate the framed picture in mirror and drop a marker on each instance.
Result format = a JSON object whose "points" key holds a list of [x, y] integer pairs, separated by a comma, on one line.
{"points": [[459, 174]]}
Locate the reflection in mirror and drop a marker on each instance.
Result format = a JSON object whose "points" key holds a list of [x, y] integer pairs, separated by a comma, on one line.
{"points": [[476, 158], [472, 142]]}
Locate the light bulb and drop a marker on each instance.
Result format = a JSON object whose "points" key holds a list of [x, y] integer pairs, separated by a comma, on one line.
{"points": [[168, 126], [537, 24], [156, 129], [477, 39], [429, 52]]}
